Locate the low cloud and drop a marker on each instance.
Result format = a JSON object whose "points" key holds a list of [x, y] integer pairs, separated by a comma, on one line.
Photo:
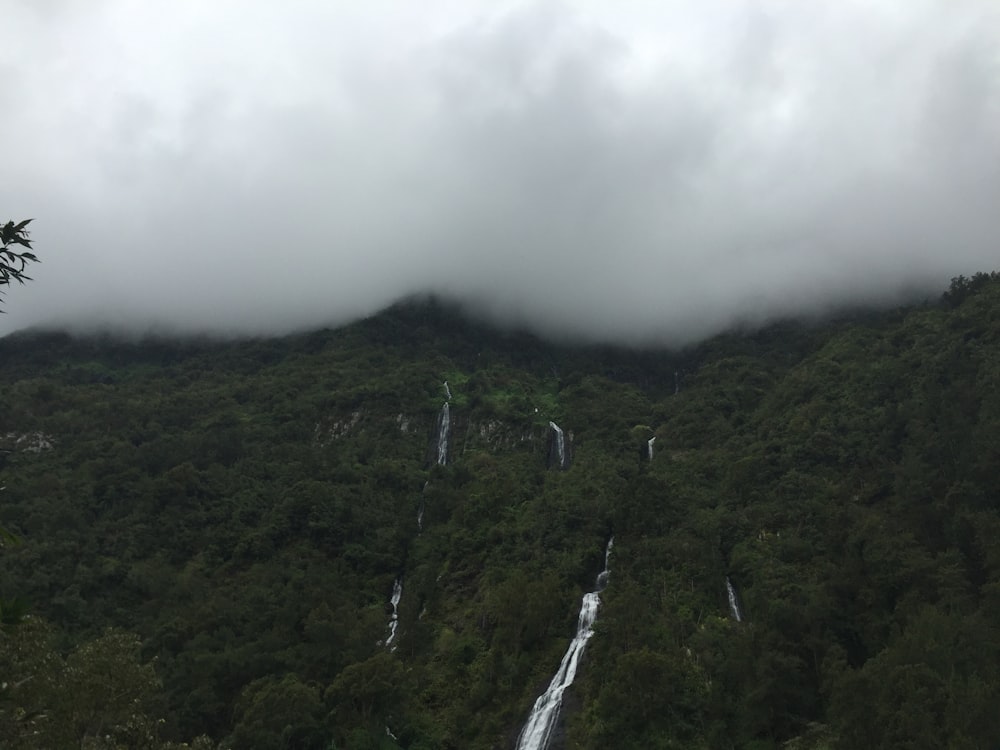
{"points": [[615, 174]]}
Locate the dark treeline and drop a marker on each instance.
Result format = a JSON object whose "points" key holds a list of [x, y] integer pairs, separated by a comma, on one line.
{"points": [[210, 533]]}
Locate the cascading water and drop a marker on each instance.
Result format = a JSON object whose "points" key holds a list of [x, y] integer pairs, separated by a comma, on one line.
{"points": [[420, 508], [560, 444], [447, 391], [444, 426], [397, 594], [649, 447], [537, 731], [734, 602]]}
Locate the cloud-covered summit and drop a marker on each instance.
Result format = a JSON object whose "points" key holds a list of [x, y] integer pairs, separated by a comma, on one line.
{"points": [[629, 172]]}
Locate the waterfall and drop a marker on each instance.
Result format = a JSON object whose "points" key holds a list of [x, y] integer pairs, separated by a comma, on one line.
{"points": [[447, 391], [397, 594], [444, 425], [537, 731], [649, 447], [734, 603], [560, 444], [420, 508], [602, 577], [677, 383]]}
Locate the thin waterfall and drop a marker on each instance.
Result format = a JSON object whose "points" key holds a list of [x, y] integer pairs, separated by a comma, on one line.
{"points": [[734, 602], [444, 427], [420, 508], [677, 383], [397, 594], [447, 391], [649, 447], [537, 731], [560, 444]]}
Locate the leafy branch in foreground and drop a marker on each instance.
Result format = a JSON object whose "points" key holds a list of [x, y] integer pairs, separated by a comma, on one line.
{"points": [[12, 263]]}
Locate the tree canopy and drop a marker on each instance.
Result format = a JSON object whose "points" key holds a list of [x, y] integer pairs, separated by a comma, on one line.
{"points": [[245, 509]]}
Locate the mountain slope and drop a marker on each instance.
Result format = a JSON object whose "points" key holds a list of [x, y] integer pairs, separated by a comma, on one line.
{"points": [[246, 507]]}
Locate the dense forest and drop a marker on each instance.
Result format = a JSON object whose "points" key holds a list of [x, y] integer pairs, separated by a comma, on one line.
{"points": [[209, 533]]}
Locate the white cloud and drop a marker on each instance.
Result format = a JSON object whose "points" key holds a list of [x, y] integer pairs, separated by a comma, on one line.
{"points": [[630, 172]]}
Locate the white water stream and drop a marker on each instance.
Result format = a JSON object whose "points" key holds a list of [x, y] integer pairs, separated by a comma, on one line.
{"points": [[734, 603], [444, 426], [560, 444], [397, 594], [537, 731]]}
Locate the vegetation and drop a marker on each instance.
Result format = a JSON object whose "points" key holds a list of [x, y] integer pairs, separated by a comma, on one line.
{"points": [[12, 263], [236, 514]]}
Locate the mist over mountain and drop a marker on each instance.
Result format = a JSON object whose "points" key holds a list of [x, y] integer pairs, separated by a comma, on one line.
{"points": [[613, 173]]}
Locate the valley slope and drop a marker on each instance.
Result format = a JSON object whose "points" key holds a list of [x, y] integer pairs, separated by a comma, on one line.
{"points": [[246, 508]]}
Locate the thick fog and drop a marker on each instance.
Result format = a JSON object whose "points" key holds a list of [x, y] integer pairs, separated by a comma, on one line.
{"points": [[630, 171]]}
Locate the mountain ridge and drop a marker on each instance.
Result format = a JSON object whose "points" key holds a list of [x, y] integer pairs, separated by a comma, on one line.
{"points": [[246, 508]]}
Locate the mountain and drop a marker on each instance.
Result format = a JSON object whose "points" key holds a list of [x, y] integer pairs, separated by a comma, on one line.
{"points": [[314, 551]]}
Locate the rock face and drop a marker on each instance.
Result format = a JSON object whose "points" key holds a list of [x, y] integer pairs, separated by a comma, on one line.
{"points": [[498, 435], [492, 435], [328, 430], [30, 442]]}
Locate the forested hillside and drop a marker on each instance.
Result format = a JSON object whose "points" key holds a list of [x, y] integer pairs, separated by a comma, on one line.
{"points": [[241, 512]]}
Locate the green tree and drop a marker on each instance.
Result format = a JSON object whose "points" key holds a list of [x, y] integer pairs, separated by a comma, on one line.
{"points": [[100, 696], [13, 263], [280, 714]]}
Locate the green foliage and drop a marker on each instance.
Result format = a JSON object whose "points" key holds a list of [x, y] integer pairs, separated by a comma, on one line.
{"points": [[274, 714], [962, 287], [13, 263], [245, 508], [99, 696]]}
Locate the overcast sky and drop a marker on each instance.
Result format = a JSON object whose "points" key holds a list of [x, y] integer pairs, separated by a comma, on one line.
{"points": [[630, 171]]}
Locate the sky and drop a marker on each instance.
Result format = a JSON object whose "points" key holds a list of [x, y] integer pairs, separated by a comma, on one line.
{"points": [[640, 172]]}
